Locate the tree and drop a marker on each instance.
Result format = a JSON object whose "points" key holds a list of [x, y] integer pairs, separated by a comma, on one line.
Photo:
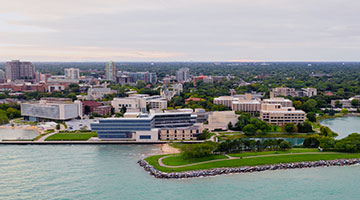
{"points": [[3, 118], [13, 113], [355, 103], [87, 110], [344, 111], [311, 116], [311, 143], [284, 145], [249, 129], [310, 105], [57, 126], [230, 126], [327, 132], [192, 151], [338, 104], [290, 128]]}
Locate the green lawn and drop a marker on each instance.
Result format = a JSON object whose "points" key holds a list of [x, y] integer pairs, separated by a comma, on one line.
{"points": [[71, 136], [153, 160], [178, 160], [294, 150]]}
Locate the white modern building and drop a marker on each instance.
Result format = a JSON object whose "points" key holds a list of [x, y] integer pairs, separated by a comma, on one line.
{"points": [[51, 109]]}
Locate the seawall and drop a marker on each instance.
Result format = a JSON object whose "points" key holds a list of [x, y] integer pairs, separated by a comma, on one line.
{"points": [[245, 169]]}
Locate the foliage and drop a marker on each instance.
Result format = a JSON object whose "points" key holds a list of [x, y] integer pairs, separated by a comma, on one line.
{"points": [[311, 116], [290, 128], [238, 145], [327, 132], [311, 142], [305, 128], [198, 150]]}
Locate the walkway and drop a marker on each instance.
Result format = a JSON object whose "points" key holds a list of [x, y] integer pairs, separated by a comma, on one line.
{"points": [[234, 158]]}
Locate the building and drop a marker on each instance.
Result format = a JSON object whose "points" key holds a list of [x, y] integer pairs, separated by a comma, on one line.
{"points": [[219, 120], [2, 76], [225, 100], [16, 70], [278, 100], [102, 110], [279, 115], [248, 106], [309, 92], [98, 93], [134, 77], [249, 102], [182, 75], [148, 127], [343, 103], [304, 92], [169, 92], [188, 100], [139, 103], [51, 109], [110, 71], [62, 80], [73, 73]]}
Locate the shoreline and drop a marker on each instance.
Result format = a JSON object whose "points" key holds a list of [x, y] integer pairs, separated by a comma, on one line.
{"points": [[245, 169], [167, 149]]}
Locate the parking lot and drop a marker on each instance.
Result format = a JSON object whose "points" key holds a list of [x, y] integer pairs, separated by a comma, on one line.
{"points": [[78, 124]]}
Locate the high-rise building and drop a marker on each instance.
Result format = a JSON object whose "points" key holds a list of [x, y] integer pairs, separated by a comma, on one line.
{"points": [[73, 73], [182, 74], [2, 76], [133, 77], [16, 70], [110, 71]]}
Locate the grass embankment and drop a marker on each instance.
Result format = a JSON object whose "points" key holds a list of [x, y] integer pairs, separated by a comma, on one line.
{"points": [[238, 135], [71, 136], [178, 160], [294, 150], [280, 157]]}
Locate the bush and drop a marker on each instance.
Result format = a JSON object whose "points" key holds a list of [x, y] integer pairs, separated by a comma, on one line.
{"points": [[290, 128], [311, 143], [284, 145], [311, 116]]}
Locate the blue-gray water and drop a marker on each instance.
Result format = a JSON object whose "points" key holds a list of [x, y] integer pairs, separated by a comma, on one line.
{"points": [[343, 125], [110, 172]]}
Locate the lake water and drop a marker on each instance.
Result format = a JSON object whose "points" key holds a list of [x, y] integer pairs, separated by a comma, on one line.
{"points": [[343, 125], [111, 172], [293, 141], [9, 133]]}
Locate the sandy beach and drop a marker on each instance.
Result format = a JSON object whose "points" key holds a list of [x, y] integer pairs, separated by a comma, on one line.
{"points": [[167, 149]]}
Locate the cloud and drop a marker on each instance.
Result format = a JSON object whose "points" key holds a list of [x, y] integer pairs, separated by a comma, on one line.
{"points": [[198, 30]]}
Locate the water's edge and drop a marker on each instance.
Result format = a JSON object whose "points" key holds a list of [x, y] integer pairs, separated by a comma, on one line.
{"points": [[246, 169]]}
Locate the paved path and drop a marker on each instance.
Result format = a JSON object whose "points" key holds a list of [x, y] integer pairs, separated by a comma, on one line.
{"points": [[232, 158]]}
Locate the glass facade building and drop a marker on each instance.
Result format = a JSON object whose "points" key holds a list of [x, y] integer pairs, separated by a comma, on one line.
{"points": [[125, 128]]}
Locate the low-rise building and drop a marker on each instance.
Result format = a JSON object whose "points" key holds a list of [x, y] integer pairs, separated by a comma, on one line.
{"points": [[98, 93], [219, 120], [279, 115], [51, 109], [285, 91], [343, 103], [139, 103]]}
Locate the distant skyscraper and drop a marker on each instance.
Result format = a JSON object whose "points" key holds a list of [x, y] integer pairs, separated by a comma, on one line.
{"points": [[2, 76], [73, 73], [182, 74], [16, 70], [110, 71]]}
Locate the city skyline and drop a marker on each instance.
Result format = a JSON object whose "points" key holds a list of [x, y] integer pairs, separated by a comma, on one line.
{"points": [[139, 30]]}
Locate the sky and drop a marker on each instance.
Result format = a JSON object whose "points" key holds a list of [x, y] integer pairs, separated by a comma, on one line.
{"points": [[180, 30]]}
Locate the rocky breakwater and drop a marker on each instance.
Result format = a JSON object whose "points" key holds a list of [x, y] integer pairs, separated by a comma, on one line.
{"points": [[219, 171]]}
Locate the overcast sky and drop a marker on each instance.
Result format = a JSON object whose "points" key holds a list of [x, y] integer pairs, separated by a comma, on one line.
{"points": [[180, 30]]}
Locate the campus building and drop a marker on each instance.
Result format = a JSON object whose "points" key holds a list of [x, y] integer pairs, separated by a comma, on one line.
{"points": [[285, 91], [98, 93], [148, 127], [51, 109], [139, 103], [133, 77], [279, 115], [249, 102]]}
